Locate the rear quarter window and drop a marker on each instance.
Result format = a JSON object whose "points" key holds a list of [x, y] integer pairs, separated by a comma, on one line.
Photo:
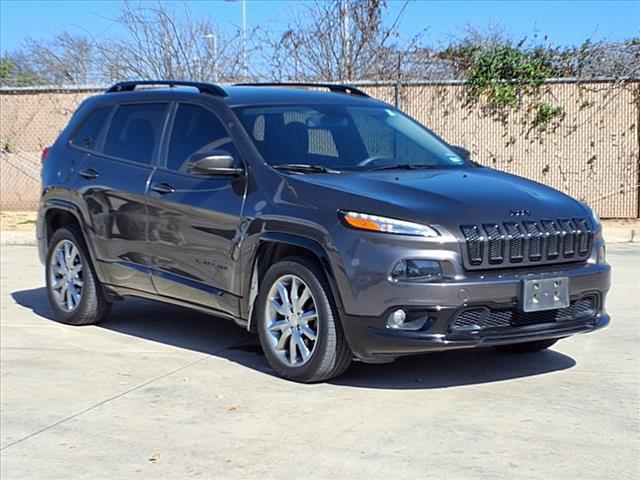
{"points": [[86, 136], [135, 132]]}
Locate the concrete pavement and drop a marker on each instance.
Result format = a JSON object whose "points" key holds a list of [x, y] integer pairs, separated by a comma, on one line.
{"points": [[165, 393]]}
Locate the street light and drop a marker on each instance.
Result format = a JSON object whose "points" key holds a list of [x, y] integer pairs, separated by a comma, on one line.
{"points": [[245, 62], [214, 37]]}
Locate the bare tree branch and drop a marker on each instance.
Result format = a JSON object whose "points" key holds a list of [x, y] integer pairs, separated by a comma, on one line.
{"points": [[164, 41], [339, 40]]}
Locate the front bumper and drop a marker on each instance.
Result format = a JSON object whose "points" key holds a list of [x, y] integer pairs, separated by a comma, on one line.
{"points": [[372, 341]]}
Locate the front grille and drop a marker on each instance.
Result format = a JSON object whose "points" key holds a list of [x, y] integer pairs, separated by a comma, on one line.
{"points": [[496, 243], [534, 237], [547, 241], [584, 236], [515, 241], [553, 238], [474, 243], [569, 245], [479, 318]]}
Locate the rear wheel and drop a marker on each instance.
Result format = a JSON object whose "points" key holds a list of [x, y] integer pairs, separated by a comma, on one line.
{"points": [[299, 330], [73, 289], [528, 347]]}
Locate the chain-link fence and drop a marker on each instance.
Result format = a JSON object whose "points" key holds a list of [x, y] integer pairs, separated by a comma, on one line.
{"points": [[590, 151], [19, 181], [30, 119]]}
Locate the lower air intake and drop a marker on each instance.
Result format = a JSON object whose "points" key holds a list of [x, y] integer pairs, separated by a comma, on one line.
{"points": [[484, 318]]}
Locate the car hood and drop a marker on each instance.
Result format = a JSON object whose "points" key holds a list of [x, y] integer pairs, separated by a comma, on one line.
{"points": [[442, 196]]}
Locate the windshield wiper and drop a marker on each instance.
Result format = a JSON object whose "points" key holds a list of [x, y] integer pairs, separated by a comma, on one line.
{"points": [[304, 168], [402, 166]]}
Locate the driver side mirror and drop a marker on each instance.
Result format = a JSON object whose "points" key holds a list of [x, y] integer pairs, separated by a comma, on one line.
{"points": [[214, 162], [463, 152]]}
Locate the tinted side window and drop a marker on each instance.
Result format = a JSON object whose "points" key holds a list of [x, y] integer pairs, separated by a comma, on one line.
{"points": [[87, 135], [135, 132], [196, 129]]}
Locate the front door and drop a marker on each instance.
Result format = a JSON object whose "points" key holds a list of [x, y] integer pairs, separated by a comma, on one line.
{"points": [[194, 220]]}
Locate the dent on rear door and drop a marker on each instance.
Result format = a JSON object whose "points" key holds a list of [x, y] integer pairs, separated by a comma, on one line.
{"points": [[116, 207]]}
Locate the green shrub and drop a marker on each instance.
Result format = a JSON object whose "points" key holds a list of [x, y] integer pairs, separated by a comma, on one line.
{"points": [[546, 114], [503, 73]]}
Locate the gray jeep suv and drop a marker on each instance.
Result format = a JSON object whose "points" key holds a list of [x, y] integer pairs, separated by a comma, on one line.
{"points": [[330, 223]]}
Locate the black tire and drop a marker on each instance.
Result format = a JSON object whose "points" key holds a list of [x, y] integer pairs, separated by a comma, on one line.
{"points": [[332, 355], [528, 347], [93, 307]]}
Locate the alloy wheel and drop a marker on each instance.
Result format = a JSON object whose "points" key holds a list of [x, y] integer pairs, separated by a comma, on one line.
{"points": [[291, 318], [65, 275]]}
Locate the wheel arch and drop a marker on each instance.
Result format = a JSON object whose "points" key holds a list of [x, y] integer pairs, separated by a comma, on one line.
{"points": [[272, 247], [57, 214]]}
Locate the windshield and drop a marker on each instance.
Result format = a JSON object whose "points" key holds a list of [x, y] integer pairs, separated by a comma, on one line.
{"points": [[344, 137]]}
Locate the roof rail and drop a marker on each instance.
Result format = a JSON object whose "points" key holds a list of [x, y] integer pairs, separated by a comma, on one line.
{"points": [[202, 87], [333, 87]]}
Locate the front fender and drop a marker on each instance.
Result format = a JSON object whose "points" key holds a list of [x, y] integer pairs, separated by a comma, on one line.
{"points": [[311, 245]]}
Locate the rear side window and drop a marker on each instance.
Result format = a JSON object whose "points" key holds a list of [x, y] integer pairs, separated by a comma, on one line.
{"points": [[87, 135], [195, 130], [135, 132]]}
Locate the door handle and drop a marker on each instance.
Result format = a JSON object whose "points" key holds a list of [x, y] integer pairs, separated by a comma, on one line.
{"points": [[89, 174], [162, 188]]}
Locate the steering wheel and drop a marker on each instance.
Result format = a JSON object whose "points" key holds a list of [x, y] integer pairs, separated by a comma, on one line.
{"points": [[373, 160]]}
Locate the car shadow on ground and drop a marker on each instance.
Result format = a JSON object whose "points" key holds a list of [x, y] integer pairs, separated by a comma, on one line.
{"points": [[183, 328]]}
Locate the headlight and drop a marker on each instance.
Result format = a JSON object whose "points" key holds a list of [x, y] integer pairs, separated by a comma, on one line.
{"points": [[594, 216], [602, 254], [374, 223]]}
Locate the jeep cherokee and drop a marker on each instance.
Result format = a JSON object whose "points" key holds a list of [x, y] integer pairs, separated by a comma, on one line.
{"points": [[329, 223]]}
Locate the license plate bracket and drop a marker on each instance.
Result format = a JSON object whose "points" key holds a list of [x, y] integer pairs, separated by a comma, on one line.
{"points": [[545, 294]]}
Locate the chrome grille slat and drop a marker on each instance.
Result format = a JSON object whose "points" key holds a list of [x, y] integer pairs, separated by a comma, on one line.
{"points": [[546, 241]]}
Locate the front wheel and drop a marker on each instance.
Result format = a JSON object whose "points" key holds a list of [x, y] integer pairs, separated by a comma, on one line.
{"points": [[298, 325], [528, 347]]}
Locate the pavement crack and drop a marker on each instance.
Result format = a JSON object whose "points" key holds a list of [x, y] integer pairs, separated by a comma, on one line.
{"points": [[119, 395]]}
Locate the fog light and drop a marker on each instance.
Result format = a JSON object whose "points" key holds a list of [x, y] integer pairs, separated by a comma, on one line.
{"points": [[413, 320], [396, 319], [416, 271]]}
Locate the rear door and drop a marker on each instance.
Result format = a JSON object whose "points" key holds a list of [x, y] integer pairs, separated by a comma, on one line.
{"points": [[194, 220], [113, 181]]}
